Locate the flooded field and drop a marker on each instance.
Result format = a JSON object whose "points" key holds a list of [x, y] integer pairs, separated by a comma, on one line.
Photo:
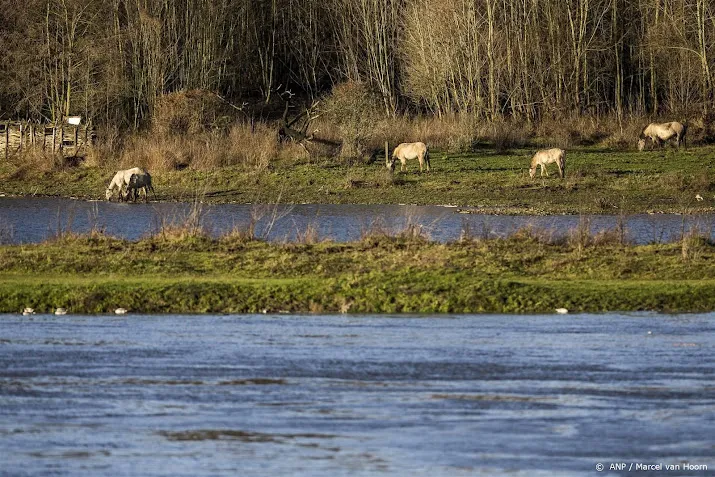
{"points": [[27, 220], [310, 395]]}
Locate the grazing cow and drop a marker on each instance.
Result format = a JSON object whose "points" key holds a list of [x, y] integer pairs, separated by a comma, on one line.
{"points": [[409, 150], [548, 156], [663, 132]]}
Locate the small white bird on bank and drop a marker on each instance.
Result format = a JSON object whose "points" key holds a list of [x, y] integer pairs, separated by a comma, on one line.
{"points": [[28, 311], [120, 311], [561, 311], [699, 197], [60, 311]]}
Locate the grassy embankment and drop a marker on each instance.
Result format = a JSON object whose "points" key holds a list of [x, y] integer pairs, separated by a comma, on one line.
{"points": [[379, 274], [598, 180]]}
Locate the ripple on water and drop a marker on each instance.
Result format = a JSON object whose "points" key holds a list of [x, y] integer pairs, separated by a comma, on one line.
{"points": [[471, 395]]}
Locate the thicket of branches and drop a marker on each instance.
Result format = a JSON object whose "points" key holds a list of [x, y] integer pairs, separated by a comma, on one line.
{"points": [[113, 59]]}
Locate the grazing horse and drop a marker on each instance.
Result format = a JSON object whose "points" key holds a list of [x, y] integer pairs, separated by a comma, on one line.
{"points": [[409, 150], [120, 181], [138, 182], [661, 133], [548, 156]]}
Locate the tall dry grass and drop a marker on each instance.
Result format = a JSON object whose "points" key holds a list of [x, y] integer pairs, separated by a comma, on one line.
{"points": [[253, 146], [189, 130], [190, 224], [354, 117], [245, 145], [7, 233], [192, 130], [692, 245], [30, 164], [359, 139]]}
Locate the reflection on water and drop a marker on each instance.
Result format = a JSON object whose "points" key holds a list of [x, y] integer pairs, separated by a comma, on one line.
{"points": [[331, 396], [35, 219]]}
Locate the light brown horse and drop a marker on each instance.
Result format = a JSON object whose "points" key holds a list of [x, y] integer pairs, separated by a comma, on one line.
{"points": [[409, 150], [548, 156], [663, 132], [120, 181]]}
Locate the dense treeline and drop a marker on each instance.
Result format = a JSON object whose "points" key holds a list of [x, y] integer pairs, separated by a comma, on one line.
{"points": [[112, 59]]}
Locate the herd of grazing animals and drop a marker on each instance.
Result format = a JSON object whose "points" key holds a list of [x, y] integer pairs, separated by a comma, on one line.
{"points": [[658, 133], [130, 182]]}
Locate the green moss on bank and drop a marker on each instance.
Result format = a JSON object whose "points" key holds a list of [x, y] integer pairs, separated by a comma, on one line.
{"points": [[376, 275]]}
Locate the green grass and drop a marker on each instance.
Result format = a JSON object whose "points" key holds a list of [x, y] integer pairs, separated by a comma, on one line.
{"points": [[598, 181], [376, 275]]}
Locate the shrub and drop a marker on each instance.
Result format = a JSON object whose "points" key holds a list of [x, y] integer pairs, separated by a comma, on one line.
{"points": [[188, 112], [354, 109]]}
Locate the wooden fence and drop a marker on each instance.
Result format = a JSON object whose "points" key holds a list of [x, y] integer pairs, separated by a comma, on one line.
{"points": [[64, 139]]}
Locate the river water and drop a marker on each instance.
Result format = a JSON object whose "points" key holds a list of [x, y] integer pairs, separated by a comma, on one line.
{"points": [[27, 220], [262, 395]]}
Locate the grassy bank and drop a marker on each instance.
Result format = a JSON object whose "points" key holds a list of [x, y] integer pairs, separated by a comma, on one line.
{"points": [[598, 181], [379, 274]]}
